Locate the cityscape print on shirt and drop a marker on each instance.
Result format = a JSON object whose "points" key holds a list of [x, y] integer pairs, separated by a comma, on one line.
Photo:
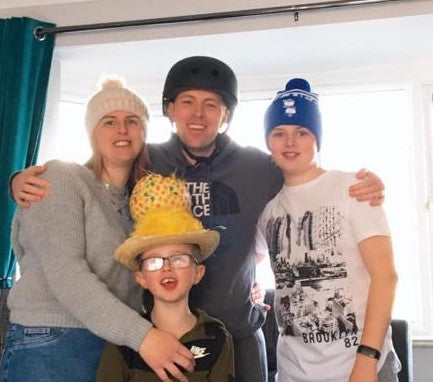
{"points": [[313, 300]]}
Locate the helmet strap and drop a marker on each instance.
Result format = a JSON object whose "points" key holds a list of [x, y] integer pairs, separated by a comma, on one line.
{"points": [[202, 159]]}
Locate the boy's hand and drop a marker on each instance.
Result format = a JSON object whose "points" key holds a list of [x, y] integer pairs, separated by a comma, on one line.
{"points": [[371, 188], [364, 370], [27, 188], [258, 296], [164, 353]]}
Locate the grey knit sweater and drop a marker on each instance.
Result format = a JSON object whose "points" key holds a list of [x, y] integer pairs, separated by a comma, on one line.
{"points": [[64, 246]]}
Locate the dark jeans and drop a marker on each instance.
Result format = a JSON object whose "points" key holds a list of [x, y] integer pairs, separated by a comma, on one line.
{"points": [[250, 358]]}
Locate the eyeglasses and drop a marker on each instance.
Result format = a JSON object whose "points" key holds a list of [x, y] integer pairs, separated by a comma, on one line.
{"points": [[152, 264]]}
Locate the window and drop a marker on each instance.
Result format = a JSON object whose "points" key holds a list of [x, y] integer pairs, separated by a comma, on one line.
{"points": [[68, 139], [372, 129], [362, 128]]}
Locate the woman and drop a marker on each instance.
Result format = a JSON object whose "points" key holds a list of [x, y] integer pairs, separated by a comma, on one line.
{"points": [[72, 296]]}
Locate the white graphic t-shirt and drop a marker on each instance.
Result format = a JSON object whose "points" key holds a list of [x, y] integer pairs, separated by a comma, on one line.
{"points": [[311, 232]]}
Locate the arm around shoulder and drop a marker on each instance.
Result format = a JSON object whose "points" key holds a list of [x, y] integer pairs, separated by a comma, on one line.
{"points": [[27, 187], [370, 188]]}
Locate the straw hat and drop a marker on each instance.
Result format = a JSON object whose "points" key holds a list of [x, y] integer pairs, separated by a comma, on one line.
{"points": [[161, 208]]}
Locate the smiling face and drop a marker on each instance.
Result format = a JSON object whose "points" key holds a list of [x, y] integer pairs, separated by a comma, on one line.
{"points": [[168, 284], [198, 115], [118, 138], [294, 150]]}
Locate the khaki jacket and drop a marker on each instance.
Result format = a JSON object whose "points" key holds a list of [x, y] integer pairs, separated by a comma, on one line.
{"points": [[208, 340]]}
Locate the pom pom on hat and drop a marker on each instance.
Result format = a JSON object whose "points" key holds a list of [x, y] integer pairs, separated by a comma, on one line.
{"points": [[298, 83], [111, 82], [295, 105], [113, 96]]}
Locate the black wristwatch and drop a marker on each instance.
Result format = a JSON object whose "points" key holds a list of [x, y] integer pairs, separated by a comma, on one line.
{"points": [[368, 351]]}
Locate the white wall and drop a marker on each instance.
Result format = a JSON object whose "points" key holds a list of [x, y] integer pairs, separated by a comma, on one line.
{"points": [[422, 366]]}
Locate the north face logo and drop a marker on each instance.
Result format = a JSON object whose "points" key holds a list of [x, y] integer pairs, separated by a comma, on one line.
{"points": [[212, 198]]}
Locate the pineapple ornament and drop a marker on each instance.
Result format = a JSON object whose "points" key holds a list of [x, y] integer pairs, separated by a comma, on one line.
{"points": [[161, 208], [157, 191]]}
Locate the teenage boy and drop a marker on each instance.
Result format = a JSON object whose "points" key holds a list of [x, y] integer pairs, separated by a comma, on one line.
{"points": [[229, 184], [165, 252], [331, 256]]}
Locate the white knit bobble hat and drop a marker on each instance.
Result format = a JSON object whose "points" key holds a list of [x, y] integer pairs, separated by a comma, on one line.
{"points": [[113, 97]]}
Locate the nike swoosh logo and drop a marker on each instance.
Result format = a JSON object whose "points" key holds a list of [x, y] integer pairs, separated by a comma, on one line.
{"points": [[201, 355]]}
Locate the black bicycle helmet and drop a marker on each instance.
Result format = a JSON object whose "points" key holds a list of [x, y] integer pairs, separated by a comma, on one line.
{"points": [[201, 72]]}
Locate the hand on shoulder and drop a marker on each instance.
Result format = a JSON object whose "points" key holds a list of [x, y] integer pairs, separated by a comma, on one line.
{"points": [[370, 188], [164, 353], [27, 187]]}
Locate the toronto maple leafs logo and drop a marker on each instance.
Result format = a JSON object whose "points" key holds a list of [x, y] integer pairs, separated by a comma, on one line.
{"points": [[198, 352], [289, 106]]}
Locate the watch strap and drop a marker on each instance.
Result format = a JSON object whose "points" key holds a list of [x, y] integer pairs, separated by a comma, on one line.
{"points": [[368, 351]]}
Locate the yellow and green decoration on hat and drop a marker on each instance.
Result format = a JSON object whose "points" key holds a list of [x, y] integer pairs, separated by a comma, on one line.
{"points": [[161, 208]]}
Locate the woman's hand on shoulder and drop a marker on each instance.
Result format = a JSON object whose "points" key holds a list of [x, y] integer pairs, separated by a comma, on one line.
{"points": [[164, 354]]}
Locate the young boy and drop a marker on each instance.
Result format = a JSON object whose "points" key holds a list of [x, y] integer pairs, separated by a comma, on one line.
{"points": [[166, 251], [331, 257]]}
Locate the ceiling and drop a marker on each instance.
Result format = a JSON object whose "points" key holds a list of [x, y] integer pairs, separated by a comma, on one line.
{"points": [[257, 54]]}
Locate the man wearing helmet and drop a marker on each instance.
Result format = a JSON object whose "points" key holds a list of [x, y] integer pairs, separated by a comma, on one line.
{"points": [[229, 186], [206, 88]]}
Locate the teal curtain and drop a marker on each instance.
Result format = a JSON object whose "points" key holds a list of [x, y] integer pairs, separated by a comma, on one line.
{"points": [[24, 71]]}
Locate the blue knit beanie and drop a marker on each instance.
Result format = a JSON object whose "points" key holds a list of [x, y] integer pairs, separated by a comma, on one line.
{"points": [[296, 105]]}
